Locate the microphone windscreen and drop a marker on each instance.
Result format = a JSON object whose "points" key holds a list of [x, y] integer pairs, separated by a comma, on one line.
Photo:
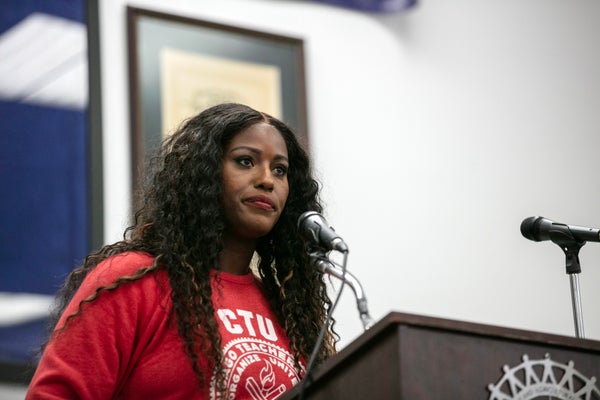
{"points": [[529, 228]]}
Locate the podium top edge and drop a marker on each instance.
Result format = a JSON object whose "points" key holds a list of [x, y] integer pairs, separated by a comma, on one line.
{"points": [[479, 329]]}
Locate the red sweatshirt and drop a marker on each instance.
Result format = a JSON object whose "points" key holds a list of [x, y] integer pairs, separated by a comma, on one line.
{"points": [[123, 345]]}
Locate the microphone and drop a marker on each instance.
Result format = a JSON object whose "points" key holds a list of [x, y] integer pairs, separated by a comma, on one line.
{"points": [[314, 227], [540, 228]]}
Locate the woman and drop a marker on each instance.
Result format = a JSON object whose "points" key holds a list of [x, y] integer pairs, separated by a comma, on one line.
{"points": [[173, 311]]}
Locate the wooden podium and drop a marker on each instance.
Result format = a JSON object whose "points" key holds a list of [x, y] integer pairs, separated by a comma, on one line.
{"points": [[412, 357]]}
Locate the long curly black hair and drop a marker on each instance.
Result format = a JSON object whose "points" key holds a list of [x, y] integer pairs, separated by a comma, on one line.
{"points": [[181, 223]]}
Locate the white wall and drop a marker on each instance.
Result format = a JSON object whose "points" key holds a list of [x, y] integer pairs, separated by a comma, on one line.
{"points": [[434, 133]]}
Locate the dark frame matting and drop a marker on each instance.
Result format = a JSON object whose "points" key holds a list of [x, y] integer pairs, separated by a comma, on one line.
{"points": [[150, 31]]}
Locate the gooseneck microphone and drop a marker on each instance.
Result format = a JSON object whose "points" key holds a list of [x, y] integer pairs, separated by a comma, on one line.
{"points": [[322, 239], [315, 228], [539, 229]]}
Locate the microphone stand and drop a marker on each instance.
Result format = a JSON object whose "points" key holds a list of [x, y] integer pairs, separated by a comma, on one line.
{"points": [[571, 246], [326, 266], [321, 261], [315, 257], [573, 269]]}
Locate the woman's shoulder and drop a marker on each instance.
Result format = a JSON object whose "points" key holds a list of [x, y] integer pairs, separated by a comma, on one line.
{"points": [[121, 265], [133, 259]]}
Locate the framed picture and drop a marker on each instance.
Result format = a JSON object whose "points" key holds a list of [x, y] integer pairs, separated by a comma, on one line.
{"points": [[179, 66]]}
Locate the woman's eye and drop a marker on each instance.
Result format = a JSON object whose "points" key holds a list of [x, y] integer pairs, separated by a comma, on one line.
{"points": [[280, 170], [245, 161]]}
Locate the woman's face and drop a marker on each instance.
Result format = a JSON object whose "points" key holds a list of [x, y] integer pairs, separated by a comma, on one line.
{"points": [[255, 181]]}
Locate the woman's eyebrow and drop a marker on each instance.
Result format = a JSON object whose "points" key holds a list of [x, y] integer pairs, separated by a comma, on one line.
{"points": [[257, 151]]}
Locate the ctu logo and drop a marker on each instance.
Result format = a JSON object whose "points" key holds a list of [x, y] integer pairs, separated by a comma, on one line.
{"points": [[246, 322]]}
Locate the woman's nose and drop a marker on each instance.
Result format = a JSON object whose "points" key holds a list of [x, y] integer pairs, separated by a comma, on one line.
{"points": [[265, 178]]}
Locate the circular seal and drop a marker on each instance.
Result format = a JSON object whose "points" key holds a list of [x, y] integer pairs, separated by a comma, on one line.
{"points": [[256, 369], [533, 379]]}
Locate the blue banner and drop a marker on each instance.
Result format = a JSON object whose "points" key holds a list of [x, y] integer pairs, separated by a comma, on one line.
{"points": [[43, 174]]}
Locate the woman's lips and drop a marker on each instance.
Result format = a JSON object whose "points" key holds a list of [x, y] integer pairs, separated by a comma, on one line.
{"points": [[262, 202]]}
